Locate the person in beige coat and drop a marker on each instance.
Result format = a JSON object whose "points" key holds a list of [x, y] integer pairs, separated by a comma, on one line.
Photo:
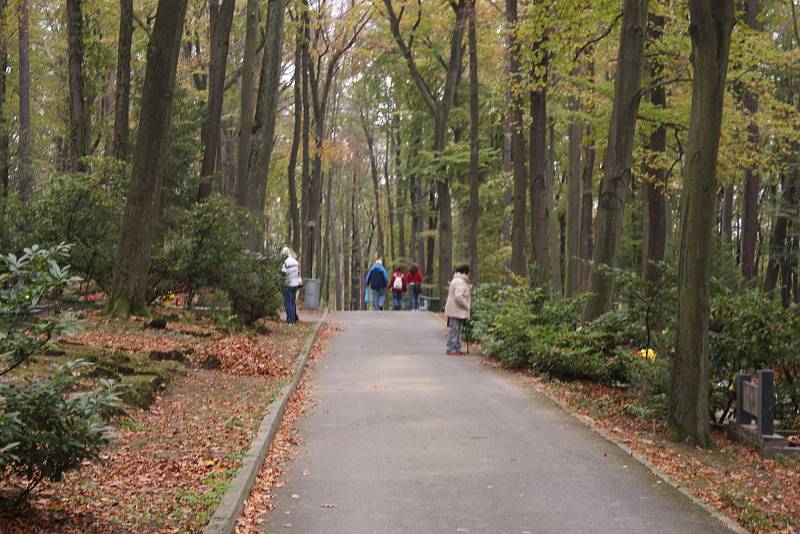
{"points": [[457, 309]]}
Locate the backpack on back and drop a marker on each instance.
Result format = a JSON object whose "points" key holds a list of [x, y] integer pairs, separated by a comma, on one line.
{"points": [[398, 283]]}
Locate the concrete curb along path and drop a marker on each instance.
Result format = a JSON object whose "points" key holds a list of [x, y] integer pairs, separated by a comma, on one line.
{"points": [[227, 513], [653, 468]]}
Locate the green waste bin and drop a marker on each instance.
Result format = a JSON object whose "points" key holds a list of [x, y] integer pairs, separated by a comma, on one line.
{"points": [[430, 304]]}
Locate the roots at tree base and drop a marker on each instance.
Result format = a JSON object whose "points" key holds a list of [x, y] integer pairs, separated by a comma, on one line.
{"points": [[121, 307]]}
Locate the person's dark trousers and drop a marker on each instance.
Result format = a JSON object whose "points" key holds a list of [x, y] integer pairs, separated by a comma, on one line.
{"points": [[397, 300], [290, 304], [413, 296]]}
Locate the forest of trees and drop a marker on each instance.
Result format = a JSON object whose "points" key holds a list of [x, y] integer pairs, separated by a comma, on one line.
{"points": [[553, 141]]}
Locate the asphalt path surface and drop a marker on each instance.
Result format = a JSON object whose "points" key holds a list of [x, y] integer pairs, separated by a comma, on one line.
{"points": [[405, 439]]}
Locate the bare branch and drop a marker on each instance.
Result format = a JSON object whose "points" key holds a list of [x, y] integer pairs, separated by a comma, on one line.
{"points": [[597, 38], [405, 51]]}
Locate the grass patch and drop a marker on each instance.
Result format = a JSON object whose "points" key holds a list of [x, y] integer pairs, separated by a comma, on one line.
{"points": [[197, 507]]}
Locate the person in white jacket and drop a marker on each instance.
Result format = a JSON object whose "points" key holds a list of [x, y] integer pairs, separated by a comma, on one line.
{"points": [[291, 283], [457, 309]]}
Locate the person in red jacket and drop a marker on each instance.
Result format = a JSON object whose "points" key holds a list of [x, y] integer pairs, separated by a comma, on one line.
{"points": [[398, 284], [414, 278]]}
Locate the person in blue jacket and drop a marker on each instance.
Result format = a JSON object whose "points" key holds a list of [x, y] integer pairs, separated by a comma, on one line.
{"points": [[377, 279]]}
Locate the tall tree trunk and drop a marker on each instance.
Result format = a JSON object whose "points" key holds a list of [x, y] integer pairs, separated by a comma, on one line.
{"points": [[78, 134], [573, 237], [621, 135], [389, 202], [402, 190], [319, 213], [553, 235], [4, 123], [144, 193], [711, 22], [264, 121], [222, 21], [294, 209], [355, 265], [347, 247], [25, 165], [751, 176], [514, 98], [431, 244], [474, 147], [307, 257], [122, 101], [417, 202], [587, 208], [373, 168], [726, 216], [247, 101], [653, 190], [540, 246], [334, 246], [777, 244], [227, 157], [653, 185]]}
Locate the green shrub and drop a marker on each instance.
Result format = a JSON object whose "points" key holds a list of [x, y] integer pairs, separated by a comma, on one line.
{"points": [[203, 248], [253, 282], [27, 283], [206, 252], [46, 429], [525, 327], [86, 210], [751, 331], [83, 209]]}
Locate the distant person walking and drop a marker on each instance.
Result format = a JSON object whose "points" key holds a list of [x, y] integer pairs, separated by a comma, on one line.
{"points": [[291, 283], [398, 285], [457, 309], [377, 279], [414, 278]]}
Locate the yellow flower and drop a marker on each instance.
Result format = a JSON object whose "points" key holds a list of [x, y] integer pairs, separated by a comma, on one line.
{"points": [[648, 354]]}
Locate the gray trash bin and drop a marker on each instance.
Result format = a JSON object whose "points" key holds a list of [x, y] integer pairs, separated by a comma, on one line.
{"points": [[311, 293]]}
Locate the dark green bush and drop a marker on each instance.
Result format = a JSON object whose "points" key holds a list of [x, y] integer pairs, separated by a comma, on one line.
{"points": [[524, 327], [206, 252], [27, 284], [202, 249], [751, 331], [83, 209], [254, 285], [46, 429]]}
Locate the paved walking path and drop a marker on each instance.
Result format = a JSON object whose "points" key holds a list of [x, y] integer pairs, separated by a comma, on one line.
{"points": [[405, 439]]}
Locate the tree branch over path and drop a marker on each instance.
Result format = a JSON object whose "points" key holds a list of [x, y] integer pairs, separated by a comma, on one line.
{"points": [[602, 35]]}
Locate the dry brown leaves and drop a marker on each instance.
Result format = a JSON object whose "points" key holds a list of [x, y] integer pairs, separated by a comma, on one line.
{"points": [[169, 466], [762, 495], [283, 447], [239, 356], [161, 472], [142, 341]]}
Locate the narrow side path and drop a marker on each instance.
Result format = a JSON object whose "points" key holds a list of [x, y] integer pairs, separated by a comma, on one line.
{"points": [[407, 439]]}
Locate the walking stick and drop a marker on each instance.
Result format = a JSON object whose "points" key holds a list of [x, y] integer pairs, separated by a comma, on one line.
{"points": [[466, 334]]}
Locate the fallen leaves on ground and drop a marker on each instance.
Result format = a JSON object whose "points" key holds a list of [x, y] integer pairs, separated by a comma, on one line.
{"points": [[141, 341], [282, 449], [762, 495], [171, 464], [168, 468], [238, 355]]}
